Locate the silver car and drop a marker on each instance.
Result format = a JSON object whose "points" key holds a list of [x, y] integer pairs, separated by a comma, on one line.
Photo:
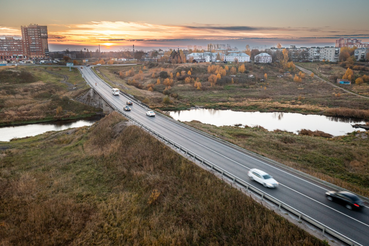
{"points": [[262, 178]]}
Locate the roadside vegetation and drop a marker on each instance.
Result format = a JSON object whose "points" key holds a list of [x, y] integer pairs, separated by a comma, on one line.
{"points": [[114, 184], [36, 94]]}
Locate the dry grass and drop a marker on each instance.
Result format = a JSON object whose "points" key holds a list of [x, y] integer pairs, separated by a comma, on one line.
{"points": [[32, 94], [69, 192]]}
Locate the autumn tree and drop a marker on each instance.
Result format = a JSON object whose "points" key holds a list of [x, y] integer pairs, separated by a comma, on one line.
{"points": [[189, 73], [150, 87], [59, 110], [346, 52], [312, 75], [359, 81], [121, 74], [66, 58], [197, 84], [279, 46], [248, 50], [158, 81], [366, 78], [241, 69], [297, 78], [219, 76], [218, 57], [111, 61], [188, 80], [301, 75], [212, 79], [226, 68], [183, 73], [233, 70], [348, 74], [265, 76], [75, 62], [285, 58], [177, 75], [168, 83]]}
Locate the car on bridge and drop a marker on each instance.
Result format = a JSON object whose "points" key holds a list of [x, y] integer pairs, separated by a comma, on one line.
{"points": [[263, 178], [129, 103], [127, 108], [150, 113], [348, 199]]}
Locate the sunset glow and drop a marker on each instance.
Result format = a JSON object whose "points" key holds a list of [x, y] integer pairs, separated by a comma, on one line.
{"points": [[121, 23]]}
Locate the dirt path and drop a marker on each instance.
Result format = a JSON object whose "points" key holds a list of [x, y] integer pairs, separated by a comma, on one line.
{"points": [[315, 76], [64, 81]]}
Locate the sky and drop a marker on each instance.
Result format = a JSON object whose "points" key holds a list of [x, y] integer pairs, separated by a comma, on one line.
{"points": [[118, 24]]}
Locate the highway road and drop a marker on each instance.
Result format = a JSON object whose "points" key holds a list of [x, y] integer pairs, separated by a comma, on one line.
{"points": [[298, 191]]}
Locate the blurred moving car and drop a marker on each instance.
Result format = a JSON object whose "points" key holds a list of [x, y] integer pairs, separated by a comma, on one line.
{"points": [[150, 113], [129, 103], [127, 108], [262, 178], [349, 200], [115, 91]]}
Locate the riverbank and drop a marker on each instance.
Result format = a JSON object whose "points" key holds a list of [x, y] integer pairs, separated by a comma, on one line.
{"points": [[54, 120], [113, 183]]}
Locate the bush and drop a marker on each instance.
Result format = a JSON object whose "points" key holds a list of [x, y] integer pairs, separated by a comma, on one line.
{"points": [[163, 75]]}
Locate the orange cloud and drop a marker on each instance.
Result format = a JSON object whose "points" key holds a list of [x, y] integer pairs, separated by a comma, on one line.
{"points": [[8, 31]]}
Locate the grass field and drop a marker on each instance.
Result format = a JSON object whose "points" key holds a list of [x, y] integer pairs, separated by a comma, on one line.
{"points": [[275, 93], [113, 184], [33, 94]]}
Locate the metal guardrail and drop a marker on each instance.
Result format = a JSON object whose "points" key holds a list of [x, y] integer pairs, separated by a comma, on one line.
{"points": [[236, 180]]}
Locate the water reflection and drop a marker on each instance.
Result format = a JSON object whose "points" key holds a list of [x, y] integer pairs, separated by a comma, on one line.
{"points": [[8, 133], [291, 122]]}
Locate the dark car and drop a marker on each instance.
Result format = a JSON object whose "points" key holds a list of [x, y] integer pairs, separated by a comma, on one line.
{"points": [[126, 108], [349, 200], [129, 102]]}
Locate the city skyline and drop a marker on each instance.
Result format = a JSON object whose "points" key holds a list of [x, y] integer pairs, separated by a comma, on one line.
{"points": [[118, 24]]}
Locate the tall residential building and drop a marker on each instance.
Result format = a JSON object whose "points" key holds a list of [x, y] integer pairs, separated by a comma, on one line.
{"points": [[35, 44], [10, 48]]}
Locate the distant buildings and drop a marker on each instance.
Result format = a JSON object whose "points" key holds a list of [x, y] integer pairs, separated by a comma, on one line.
{"points": [[350, 42], [11, 48], [263, 58], [34, 44], [239, 56]]}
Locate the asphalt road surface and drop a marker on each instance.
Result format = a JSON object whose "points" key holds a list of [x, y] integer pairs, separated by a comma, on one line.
{"points": [[301, 193]]}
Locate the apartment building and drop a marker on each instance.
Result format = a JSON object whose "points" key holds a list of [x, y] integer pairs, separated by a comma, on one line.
{"points": [[360, 54], [11, 48], [263, 58], [35, 41], [330, 54]]}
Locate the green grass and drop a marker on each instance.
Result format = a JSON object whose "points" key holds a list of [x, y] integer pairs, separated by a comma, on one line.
{"points": [[113, 184]]}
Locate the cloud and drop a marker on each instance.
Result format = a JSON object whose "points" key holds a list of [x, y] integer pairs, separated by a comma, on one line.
{"points": [[123, 33], [8, 31]]}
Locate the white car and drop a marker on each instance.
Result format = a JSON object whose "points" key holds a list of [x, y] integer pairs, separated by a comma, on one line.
{"points": [[262, 178], [150, 113]]}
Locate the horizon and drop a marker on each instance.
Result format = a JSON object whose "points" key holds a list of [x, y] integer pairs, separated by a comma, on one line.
{"points": [[168, 24]]}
